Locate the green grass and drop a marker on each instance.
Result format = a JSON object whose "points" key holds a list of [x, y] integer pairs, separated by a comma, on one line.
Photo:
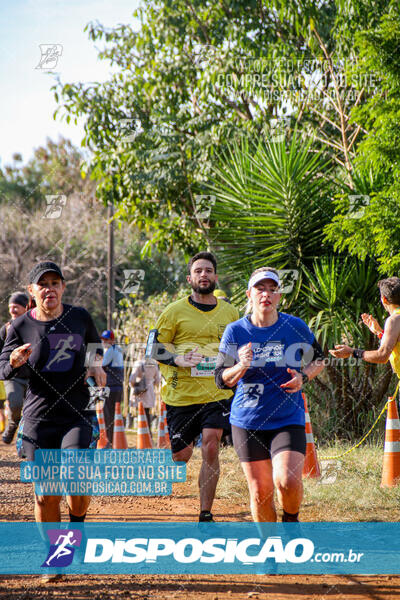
{"points": [[355, 495]]}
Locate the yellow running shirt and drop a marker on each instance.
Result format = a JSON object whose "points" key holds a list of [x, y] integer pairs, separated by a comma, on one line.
{"points": [[183, 327], [395, 356]]}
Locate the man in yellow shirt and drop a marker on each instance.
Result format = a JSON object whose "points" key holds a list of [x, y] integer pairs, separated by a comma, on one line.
{"points": [[187, 336], [389, 348]]}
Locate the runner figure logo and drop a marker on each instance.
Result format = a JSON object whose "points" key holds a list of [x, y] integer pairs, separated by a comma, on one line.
{"points": [[62, 547], [204, 204], [288, 278], [133, 279], [252, 393], [62, 351], [55, 205], [203, 55], [50, 53]]}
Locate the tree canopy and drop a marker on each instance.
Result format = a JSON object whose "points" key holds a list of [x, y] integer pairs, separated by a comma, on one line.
{"points": [[377, 164], [48, 212], [194, 78]]}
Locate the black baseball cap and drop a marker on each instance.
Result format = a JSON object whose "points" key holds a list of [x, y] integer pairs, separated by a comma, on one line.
{"points": [[42, 268]]}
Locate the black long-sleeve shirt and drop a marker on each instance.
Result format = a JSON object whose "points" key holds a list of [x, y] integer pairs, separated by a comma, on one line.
{"points": [[56, 389], [3, 335], [23, 372]]}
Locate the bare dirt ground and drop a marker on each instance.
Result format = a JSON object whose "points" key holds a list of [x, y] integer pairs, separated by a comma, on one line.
{"points": [[16, 504]]}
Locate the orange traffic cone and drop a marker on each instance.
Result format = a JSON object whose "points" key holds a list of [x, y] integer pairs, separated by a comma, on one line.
{"points": [[163, 436], [119, 438], [143, 433], [391, 457], [161, 441], [311, 466], [103, 440]]}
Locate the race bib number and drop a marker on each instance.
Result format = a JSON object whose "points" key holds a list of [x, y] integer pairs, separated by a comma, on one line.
{"points": [[205, 368]]}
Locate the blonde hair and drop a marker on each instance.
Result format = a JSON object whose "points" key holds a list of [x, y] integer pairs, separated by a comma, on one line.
{"points": [[249, 305]]}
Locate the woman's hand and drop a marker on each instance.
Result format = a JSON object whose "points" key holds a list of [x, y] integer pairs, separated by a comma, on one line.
{"points": [[231, 375], [20, 355], [294, 384], [245, 354], [371, 323]]}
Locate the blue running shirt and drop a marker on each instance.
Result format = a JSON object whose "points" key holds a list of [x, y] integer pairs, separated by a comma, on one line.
{"points": [[259, 402]]}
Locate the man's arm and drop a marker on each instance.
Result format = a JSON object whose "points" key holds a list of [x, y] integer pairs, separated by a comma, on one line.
{"points": [[164, 352], [162, 337], [390, 338], [372, 324], [224, 362]]}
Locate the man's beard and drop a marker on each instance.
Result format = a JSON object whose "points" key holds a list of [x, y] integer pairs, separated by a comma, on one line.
{"points": [[204, 290]]}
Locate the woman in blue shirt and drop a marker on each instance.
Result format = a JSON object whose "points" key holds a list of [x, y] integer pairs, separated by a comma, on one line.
{"points": [[263, 354]]}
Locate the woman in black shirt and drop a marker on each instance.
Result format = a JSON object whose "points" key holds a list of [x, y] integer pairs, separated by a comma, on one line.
{"points": [[51, 340]]}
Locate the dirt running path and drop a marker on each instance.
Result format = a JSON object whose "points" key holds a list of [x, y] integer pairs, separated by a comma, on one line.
{"points": [[16, 505]]}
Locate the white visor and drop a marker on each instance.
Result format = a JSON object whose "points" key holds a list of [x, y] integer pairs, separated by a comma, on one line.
{"points": [[261, 276]]}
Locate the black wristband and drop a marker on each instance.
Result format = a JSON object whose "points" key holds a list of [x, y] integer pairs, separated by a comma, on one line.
{"points": [[305, 376], [358, 353]]}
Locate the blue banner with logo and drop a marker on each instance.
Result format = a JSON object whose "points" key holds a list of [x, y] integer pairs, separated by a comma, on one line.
{"points": [[207, 548]]}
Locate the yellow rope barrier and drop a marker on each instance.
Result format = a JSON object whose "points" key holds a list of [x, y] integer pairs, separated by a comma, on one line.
{"points": [[368, 433]]}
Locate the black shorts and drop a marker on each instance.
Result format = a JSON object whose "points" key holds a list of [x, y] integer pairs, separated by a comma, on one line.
{"points": [[185, 423], [260, 444], [38, 435]]}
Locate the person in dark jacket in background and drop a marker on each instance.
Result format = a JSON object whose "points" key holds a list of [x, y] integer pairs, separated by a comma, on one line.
{"points": [[16, 387], [113, 365]]}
